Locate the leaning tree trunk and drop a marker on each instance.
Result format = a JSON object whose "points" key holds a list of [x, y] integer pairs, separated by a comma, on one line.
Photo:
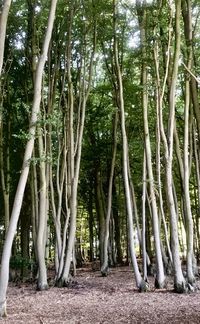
{"points": [[75, 149], [141, 284], [144, 188], [42, 219], [3, 24], [104, 267], [160, 276], [4, 11], [158, 151], [186, 9], [179, 281], [26, 164]]}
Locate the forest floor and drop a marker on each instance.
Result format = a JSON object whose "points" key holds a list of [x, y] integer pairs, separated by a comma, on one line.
{"points": [[94, 299]]}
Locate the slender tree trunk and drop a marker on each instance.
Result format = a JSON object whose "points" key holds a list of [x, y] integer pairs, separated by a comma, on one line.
{"points": [[104, 267], [179, 281], [76, 149], [26, 164], [144, 252], [189, 220], [100, 214], [141, 284], [160, 276], [116, 217], [3, 24], [42, 221]]}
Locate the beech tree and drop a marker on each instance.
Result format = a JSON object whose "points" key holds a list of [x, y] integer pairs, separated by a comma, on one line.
{"points": [[110, 94], [4, 274]]}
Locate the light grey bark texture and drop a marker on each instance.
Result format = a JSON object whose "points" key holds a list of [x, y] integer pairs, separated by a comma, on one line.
{"points": [[179, 281], [160, 276], [141, 284], [104, 267], [3, 24], [26, 164]]}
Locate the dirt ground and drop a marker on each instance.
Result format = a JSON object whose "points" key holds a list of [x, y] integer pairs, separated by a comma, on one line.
{"points": [[94, 299]]}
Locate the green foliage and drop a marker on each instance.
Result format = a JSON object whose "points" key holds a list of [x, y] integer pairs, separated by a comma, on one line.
{"points": [[17, 262]]}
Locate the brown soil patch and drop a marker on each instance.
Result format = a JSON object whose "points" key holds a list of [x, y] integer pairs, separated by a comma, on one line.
{"points": [[94, 299]]}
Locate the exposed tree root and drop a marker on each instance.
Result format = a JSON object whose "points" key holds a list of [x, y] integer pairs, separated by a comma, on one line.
{"points": [[41, 287], [180, 287], [160, 285], [66, 282], [144, 286], [104, 271], [3, 312]]}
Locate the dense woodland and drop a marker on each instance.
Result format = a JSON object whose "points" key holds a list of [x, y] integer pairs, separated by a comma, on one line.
{"points": [[99, 139]]}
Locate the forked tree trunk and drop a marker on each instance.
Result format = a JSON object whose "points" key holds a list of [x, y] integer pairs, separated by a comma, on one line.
{"points": [[179, 281], [26, 164], [141, 284], [158, 156], [160, 276], [75, 149]]}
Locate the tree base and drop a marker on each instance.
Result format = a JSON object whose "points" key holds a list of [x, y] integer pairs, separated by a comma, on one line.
{"points": [[144, 286], [3, 312], [66, 282], [42, 287], [191, 287], [180, 287], [160, 285], [104, 271]]}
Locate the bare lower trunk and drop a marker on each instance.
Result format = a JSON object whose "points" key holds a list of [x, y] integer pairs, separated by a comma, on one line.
{"points": [[139, 281], [104, 267], [42, 221], [26, 164], [160, 276], [186, 9], [144, 252]]}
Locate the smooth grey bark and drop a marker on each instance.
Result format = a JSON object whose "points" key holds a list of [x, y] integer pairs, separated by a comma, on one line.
{"points": [[75, 151], [144, 188], [104, 267], [170, 78], [3, 24], [179, 281], [4, 274], [141, 284], [136, 216], [42, 218], [4, 11], [160, 276], [188, 211], [158, 151]]}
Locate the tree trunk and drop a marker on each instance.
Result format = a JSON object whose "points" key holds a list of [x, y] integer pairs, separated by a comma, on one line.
{"points": [[160, 276], [104, 267], [26, 164], [3, 24], [186, 9], [179, 281], [139, 281], [42, 220]]}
